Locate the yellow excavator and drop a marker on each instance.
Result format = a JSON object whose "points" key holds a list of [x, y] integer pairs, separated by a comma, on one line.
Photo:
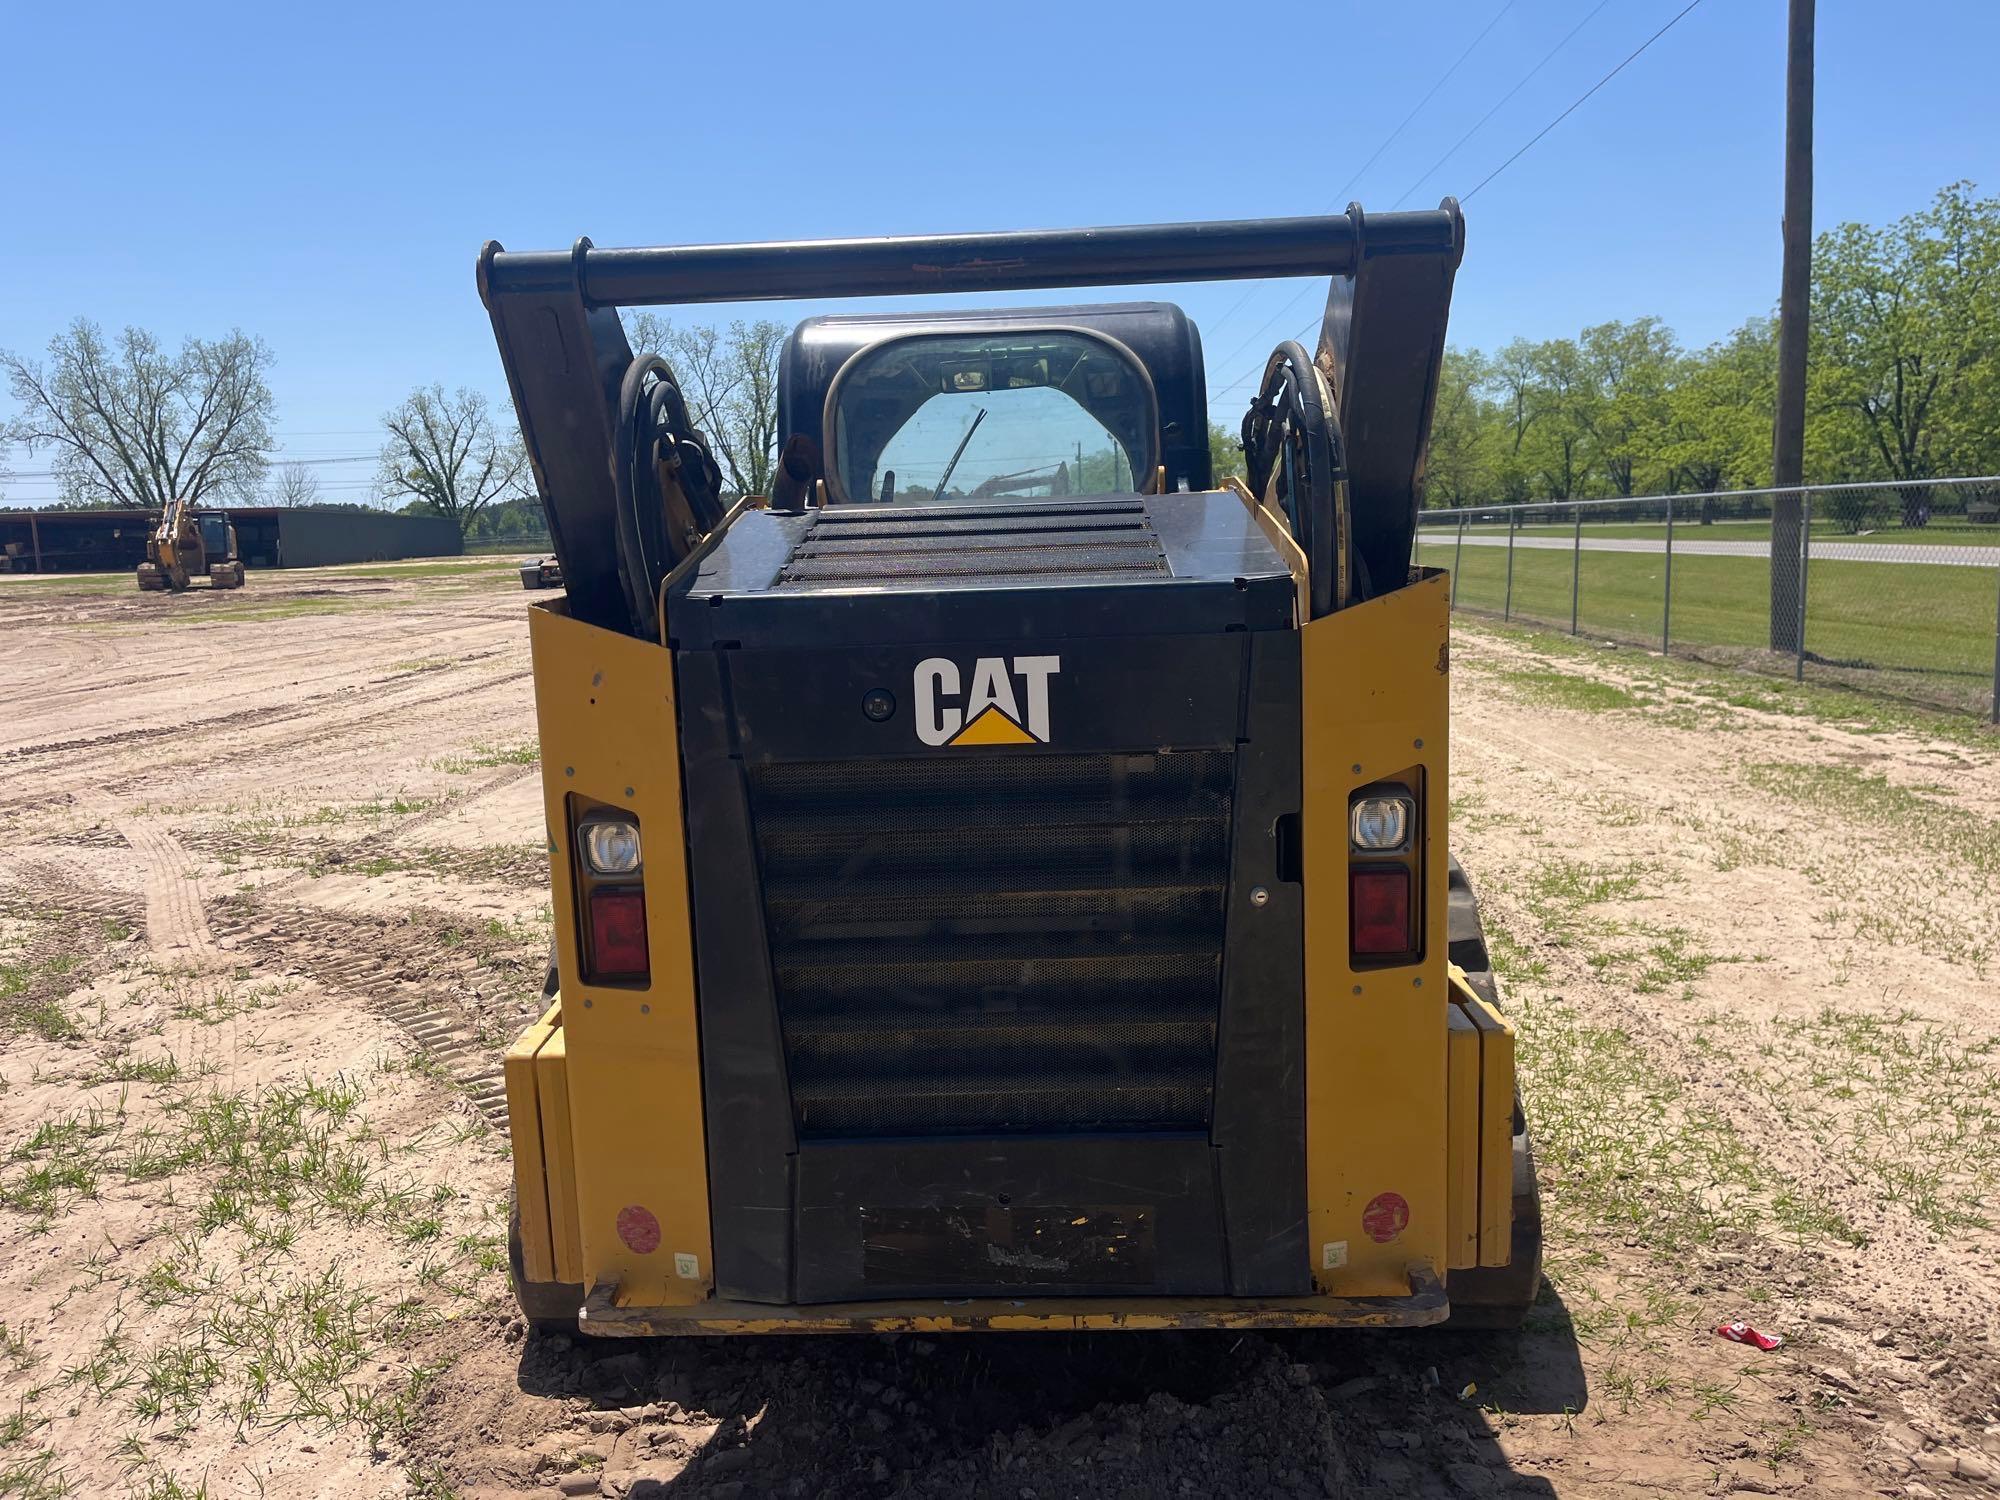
{"points": [[189, 544]]}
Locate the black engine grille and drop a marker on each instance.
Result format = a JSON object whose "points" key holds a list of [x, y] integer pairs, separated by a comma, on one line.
{"points": [[997, 943], [956, 544]]}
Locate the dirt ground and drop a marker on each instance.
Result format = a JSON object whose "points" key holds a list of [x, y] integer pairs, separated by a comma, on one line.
{"points": [[272, 897]]}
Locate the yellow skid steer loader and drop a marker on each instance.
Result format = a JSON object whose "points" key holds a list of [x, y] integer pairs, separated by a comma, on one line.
{"points": [[1004, 911]]}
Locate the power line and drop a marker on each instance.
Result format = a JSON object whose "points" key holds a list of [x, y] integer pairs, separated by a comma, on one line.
{"points": [[1547, 57], [1340, 198], [1550, 54], [1523, 83], [1443, 79], [1585, 95]]}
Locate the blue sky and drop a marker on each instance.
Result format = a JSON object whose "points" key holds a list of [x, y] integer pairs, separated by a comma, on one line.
{"points": [[323, 176]]}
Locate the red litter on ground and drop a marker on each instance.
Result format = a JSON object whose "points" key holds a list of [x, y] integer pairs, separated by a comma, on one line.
{"points": [[1741, 1332]]}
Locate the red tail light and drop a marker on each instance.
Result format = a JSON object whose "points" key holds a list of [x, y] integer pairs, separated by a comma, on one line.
{"points": [[618, 933], [1381, 903]]}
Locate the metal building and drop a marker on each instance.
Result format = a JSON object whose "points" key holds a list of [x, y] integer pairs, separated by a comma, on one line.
{"points": [[111, 541]]}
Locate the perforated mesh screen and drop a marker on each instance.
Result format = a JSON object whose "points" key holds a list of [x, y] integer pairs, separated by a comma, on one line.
{"points": [[997, 943]]}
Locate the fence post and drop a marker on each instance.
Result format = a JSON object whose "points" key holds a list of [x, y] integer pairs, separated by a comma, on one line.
{"points": [[1996, 652], [1507, 609], [1667, 602], [1457, 557], [1805, 560], [1576, 571]]}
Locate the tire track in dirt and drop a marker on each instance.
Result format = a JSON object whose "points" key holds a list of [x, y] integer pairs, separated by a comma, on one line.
{"points": [[384, 839], [177, 928], [395, 964], [200, 749]]}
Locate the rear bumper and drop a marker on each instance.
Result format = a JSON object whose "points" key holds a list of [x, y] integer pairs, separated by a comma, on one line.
{"points": [[602, 1317]]}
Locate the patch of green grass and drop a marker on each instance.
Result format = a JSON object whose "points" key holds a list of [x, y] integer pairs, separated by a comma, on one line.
{"points": [[1919, 630], [1849, 704], [485, 757], [36, 1477], [374, 810], [1915, 817], [266, 1153], [14, 1348], [1562, 887], [483, 570], [126, 1068], [1623, 1148], [261, 612], [1671, 961], [19, 1425], [1910, 1106], [1554, 689], [31, 998]]}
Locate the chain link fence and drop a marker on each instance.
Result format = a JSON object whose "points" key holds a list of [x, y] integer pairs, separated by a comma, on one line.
{"points": [[1893, 588]]}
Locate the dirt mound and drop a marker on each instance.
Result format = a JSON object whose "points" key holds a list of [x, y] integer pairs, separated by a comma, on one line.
{"points": [[1044, 1417]]}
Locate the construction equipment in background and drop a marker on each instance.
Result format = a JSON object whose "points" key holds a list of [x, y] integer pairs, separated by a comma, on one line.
{"points": [[1004, 914], [189, 544], [541, 573]]}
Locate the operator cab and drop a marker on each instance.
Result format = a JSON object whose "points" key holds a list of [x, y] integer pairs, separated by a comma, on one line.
{"points": [[214, 529], [990, 407]]}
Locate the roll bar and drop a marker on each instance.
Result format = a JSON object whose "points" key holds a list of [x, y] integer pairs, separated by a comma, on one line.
{"points": [[1015, 260], [555, 318]]}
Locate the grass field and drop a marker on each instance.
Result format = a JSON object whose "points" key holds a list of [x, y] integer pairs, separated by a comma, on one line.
{"points": [[1929, 629]]}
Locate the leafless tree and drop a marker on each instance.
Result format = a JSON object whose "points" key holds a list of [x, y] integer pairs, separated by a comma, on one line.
{"points": [[137, 426], [448, 453], [730, 379], [296, 486]]}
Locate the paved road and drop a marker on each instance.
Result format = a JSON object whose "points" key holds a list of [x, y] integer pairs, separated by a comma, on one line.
{"points": [[1889, 552]]}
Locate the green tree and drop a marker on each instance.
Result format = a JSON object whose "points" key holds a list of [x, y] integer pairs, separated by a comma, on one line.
{"points": [[1631, 367], [448, 454], [1905, 334], [1465, 433], [1225, 453], [136, 425], [1718, 413], [1560, 445]]}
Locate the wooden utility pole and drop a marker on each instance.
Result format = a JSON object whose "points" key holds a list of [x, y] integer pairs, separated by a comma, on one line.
{"points": [[1788, 433]]}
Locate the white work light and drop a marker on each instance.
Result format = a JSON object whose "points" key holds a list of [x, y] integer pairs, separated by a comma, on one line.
{"points": [[1380, 825], [612, 846]]}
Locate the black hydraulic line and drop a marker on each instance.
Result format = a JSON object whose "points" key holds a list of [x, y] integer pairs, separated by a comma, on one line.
{"points": [[905, 265]]}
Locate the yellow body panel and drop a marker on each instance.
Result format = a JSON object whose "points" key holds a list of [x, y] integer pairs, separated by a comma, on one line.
{"points": [[1461, 1161], [1408, 1111], [524, 1129], [604, 703], [1422, 1302], [1496, 1127], [1374, 704], [559, 1153]]}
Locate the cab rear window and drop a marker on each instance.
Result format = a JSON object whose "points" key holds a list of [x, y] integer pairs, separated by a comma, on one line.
{"points": [[986, 418]]}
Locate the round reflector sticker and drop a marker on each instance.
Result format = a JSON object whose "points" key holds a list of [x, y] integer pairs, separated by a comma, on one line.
{"points": [[641, 1231], [1386, 1216]]}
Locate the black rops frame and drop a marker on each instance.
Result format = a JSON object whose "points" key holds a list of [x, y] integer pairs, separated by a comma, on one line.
{"points": [[555, 317]]}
